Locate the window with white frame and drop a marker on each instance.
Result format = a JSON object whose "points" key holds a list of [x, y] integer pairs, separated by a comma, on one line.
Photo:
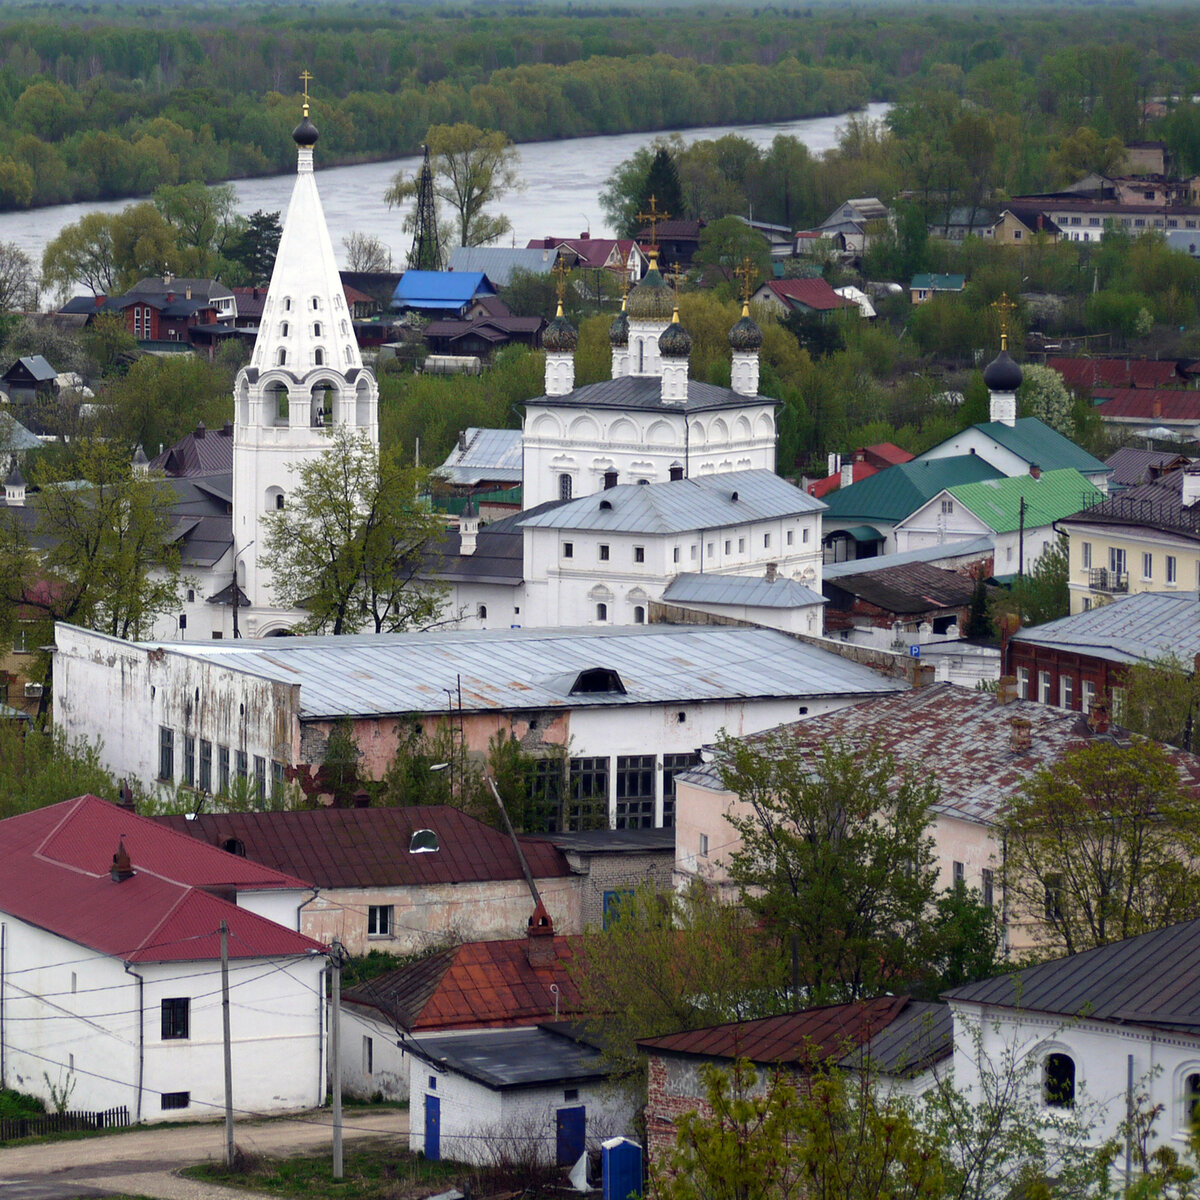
{"points": [[1066, 691], [988, 887], [1044, 687], [1087, 696], [568, 549], [947, 506], [379, 920], [1190, 1098], [1085, 555], [1022, 683], [639, 554], [1116, 560], [603, 551], [1172, 568], [1147, 566]]}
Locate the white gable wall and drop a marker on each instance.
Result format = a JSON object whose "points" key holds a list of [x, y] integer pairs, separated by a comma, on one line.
{"points": [[973, 441], [930, 526]]}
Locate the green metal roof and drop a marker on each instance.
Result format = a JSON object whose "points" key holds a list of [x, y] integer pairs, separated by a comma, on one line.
{"points": [[892, 494], [940, 283], [1036, 442], [863, 533], [997, 502]]}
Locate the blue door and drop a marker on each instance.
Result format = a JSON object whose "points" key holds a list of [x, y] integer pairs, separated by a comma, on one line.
{"points": [[570, 1135], [433, 1127]]}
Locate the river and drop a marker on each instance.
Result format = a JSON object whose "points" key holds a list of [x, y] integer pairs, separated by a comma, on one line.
{"points": [[563, 181]]}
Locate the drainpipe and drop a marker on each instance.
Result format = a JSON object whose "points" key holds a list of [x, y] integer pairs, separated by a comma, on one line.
{"points": [[3, 950], [141, 1039]]}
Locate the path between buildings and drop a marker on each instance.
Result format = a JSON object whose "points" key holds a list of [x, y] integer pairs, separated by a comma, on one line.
{"points": [[142, 1163]]}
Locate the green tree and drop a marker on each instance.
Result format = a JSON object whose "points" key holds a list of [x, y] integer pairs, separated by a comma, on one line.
{"points": [[38, 767], [662, 183], [1041, 594], [82, 253], [206, 222], [727, 243], [367, 252], [670, 962], [836, 860], [18, 282], [473, 168], [1160, 700], [351, 547], [1101, 847], [253, 248], [1043, 394], [978, 623], [109, 344], [837, 1141]]}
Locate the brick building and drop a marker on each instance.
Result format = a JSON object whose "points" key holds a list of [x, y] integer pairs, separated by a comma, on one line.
{"points": [[1075, 661], [612, 863], [900, 1040]]}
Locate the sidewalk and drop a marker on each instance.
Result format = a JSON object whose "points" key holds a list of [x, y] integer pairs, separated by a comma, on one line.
{"points": [[142, 1163]]}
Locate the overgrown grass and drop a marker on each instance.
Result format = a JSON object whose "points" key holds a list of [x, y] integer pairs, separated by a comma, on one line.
{"points": [[379, 1171], [18, 1104]]}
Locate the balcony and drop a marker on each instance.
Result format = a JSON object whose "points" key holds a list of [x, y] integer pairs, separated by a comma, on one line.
{"points": [[1100, 579]]}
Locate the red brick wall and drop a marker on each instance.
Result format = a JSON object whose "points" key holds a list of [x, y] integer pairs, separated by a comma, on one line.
{"points": [[1035, 659]]}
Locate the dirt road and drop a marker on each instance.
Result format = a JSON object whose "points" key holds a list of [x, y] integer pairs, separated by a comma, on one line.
{"points": [[142, 1162]]}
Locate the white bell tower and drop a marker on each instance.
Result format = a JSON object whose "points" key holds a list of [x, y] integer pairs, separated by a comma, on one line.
{"points": [[305, 378]]}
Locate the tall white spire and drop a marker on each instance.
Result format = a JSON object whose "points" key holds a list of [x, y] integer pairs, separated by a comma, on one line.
{"points": [[305, 376]]}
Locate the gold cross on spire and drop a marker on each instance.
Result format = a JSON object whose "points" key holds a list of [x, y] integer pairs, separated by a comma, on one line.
{"points": [[747, 274], [652, 219], [560, 270], [305, 76], [1004, 306], [675, 275]]}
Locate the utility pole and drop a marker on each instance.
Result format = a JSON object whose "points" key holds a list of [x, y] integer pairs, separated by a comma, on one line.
{"points": [[335, 1055], [1021, 542], [228, 1048]]}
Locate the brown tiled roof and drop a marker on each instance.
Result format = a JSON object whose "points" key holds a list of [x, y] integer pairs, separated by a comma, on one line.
{"points": [[813, 1036], [369, 847], [812, 293], [474, 986], [959, 736], [1149, 404]]}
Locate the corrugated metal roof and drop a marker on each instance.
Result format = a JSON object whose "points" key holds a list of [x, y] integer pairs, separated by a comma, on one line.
{"points": [[1147, 404], [516, 669], [1057, 494], [893, 494], [1137, 628], [1116, 372], [923, 1034], [754, 591], [808, 1038], [1036, 442], [645, 392], [1150, 980], [14, 435], [1131, 466], [494, 454], [909, 588], [499, 262], [431, 289], [978, 547], [960, 737], [940, 283], [369, 847], [681, 505]]}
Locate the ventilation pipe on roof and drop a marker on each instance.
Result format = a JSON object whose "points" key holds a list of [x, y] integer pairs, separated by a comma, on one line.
{"points": [[539, 938], [122, 868], [1020, 735]]}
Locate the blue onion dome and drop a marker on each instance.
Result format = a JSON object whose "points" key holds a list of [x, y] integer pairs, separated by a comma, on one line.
{"points": [[675, 341], [305, 134], [618, 331], [651, 300], [746, 335], [560, 335], [1002, 374]]}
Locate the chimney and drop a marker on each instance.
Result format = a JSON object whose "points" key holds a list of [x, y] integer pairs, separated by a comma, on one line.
{"points": [[462, 441], [539, 939], [468, 528], [772, 572], [362, 798], [1156, 406], [1035, 471], [126, 793], [1099, 718], [1020, 735], [847, 474], [1006, 689], [227, 429], [200, 429], [122, 868], [834, 463], [187, 293]]}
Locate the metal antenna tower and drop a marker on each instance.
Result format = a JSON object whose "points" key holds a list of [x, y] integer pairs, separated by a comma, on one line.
{"points": [[426, 252]]}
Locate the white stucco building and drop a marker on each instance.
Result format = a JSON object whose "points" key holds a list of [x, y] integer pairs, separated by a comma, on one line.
{"points": [[112, 973]]}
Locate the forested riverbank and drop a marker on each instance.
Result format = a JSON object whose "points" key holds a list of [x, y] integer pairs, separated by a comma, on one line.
{"points": [[112, 101]]}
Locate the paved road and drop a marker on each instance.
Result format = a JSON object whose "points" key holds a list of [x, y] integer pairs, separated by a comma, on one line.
{"points": [[141, 1163]]}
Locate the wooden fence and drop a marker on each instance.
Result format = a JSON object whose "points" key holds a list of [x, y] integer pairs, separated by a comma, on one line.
{"points": [[12, 1128]]}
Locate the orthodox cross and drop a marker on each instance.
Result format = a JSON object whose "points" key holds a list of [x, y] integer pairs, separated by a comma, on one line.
{"points": [[675, 275], [1004, 306], [652, 219], [305, 76], [746, 273], [560, 270]]}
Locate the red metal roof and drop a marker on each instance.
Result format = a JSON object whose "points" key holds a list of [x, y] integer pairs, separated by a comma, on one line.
{"points": [[473, 986], [1115, 372], [57, 863], [812, 293], [831, 483], [1149, 404], [810, 1037], [369, 847], [889, 452]]}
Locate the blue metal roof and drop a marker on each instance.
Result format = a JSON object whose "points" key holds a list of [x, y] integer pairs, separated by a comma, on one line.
{"points": [[440, 289]]}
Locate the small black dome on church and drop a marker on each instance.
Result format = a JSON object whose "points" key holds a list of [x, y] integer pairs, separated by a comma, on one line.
{"points": [[675, 341], [560, 335], [1002, 374], [618, 331], [305, 134], [746, 335]]}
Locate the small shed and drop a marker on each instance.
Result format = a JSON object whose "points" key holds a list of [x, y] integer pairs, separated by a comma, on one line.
{"points": [[29, 377], [539, 1095]]}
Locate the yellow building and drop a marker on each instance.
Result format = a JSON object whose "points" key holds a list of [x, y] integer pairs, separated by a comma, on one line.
{"points": [[1145, 539]]}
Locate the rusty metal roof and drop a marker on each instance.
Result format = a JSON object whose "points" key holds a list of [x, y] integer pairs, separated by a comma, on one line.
{"points": [[369, 847], [521, 669], [960, 737], [808, 1038]]}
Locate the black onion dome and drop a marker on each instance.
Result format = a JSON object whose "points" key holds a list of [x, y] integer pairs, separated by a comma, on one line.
{"points": [[1002, 374], [746, 335], [675, 341], [305, 134], [618, 331], [651, 300], [560, 335]]}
